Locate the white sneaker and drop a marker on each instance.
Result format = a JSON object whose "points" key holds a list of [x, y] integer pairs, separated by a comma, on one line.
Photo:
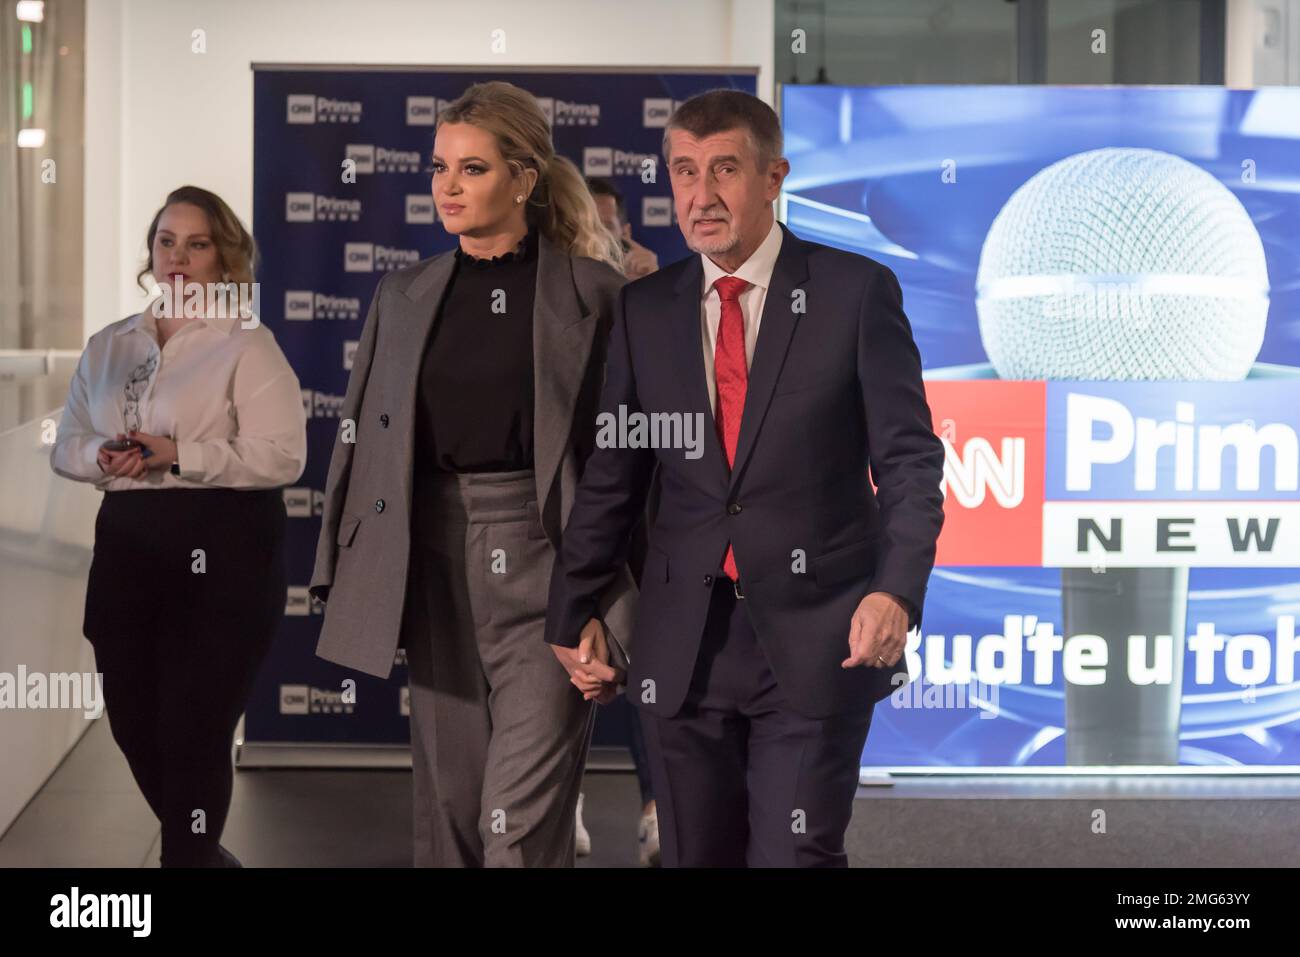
{"points": [[647, 834], [581, 839]]}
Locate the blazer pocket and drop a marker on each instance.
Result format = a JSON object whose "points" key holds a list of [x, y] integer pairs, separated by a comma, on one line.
{"points": [[347, 530], [856, 560]]}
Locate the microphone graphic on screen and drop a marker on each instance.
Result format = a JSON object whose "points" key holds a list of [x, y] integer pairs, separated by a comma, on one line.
{"points": [[1123, 264]]}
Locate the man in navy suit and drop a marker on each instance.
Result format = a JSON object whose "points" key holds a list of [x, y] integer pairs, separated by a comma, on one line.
{"points": [[778, 586]]}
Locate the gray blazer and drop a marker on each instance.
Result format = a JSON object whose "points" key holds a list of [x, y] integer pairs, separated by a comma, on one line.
{"points": [[364, 547]]}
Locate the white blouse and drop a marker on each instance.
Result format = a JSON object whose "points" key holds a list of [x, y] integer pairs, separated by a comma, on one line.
{"points": [[226, 395]]}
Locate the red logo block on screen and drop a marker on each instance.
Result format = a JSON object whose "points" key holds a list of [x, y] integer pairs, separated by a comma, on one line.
{"points": [[994, 434]]}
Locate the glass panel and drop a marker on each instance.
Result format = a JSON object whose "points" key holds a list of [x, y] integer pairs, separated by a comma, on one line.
{"points": [[897, 41], [1124, 41], [890, 42]]}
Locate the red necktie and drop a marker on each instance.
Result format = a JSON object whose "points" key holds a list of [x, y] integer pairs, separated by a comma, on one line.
{"points": [[731, 374]]}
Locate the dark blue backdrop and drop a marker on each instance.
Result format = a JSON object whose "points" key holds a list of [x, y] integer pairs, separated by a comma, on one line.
{"points": [[325, 244]]}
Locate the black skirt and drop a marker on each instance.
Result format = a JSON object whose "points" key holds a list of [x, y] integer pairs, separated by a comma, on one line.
{"points": [[181, 558]]}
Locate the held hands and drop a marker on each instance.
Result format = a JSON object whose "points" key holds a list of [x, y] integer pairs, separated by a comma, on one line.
{"points": [[161, 448], [588, 664], [126, 464], [133, 463], [878, 633]]}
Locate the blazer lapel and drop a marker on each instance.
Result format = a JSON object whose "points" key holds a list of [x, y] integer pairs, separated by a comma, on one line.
{"points": [[690, 371], [423, 295], [404, 352], [562, 338], [773, 342]]}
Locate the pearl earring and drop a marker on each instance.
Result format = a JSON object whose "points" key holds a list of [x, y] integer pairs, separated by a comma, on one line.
{"points": [[519, 198]]}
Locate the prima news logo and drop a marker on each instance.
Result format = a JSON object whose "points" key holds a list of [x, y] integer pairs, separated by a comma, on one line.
{"points": [[569, 112], [608, 161], [298, 603], [371, 159], [305, 305], [373, 257], [423, 110], [321, 405], [302, 501], [308, 109], [305, 699], [655, 111], [313, 208], [656, 210], [419, 209]]}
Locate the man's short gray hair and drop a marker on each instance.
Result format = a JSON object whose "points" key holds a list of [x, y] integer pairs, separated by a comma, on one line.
{"points": [[715, 111]]}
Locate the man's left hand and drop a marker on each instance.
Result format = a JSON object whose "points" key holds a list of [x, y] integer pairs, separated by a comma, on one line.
{"points": [[878, 633]]}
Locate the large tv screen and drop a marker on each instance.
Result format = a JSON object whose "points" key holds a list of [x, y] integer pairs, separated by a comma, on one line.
{"points": [[1104, 284]]}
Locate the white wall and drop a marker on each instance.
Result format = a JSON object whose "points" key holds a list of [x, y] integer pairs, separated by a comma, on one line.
{"points": [[47, 535], [1274, 35], [159, 115]]}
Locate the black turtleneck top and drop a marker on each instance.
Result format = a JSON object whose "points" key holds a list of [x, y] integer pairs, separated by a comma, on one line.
{"points": [[474, 411]]}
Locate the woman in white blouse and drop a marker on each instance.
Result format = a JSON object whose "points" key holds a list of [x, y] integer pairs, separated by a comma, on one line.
{"points": [[190, 422]]}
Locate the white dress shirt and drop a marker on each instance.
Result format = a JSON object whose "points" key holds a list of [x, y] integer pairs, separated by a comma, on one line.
{"points": [[757, 271], [226, 395]]}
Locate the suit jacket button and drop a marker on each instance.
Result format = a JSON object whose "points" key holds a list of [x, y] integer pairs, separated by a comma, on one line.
{"points": [[708, 579], [383, 420], [379, 505], [733, 508]]}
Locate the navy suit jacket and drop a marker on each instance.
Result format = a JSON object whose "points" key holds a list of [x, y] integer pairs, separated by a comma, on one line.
{"points": [[834, 390]]}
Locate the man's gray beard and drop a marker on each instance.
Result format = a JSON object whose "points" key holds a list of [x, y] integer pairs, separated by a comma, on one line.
{"points": [[714, 247]]}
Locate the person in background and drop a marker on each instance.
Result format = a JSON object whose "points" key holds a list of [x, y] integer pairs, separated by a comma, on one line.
{"points": [[638, 261], [190, 425], [473, 394]]}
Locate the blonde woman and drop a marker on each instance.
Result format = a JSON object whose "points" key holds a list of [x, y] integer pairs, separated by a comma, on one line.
{"points": [[189, 421], [468, 417]]}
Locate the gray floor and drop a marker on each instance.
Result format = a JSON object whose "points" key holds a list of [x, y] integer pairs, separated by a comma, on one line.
{"points": [[90, 814], [1079, 821]]}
